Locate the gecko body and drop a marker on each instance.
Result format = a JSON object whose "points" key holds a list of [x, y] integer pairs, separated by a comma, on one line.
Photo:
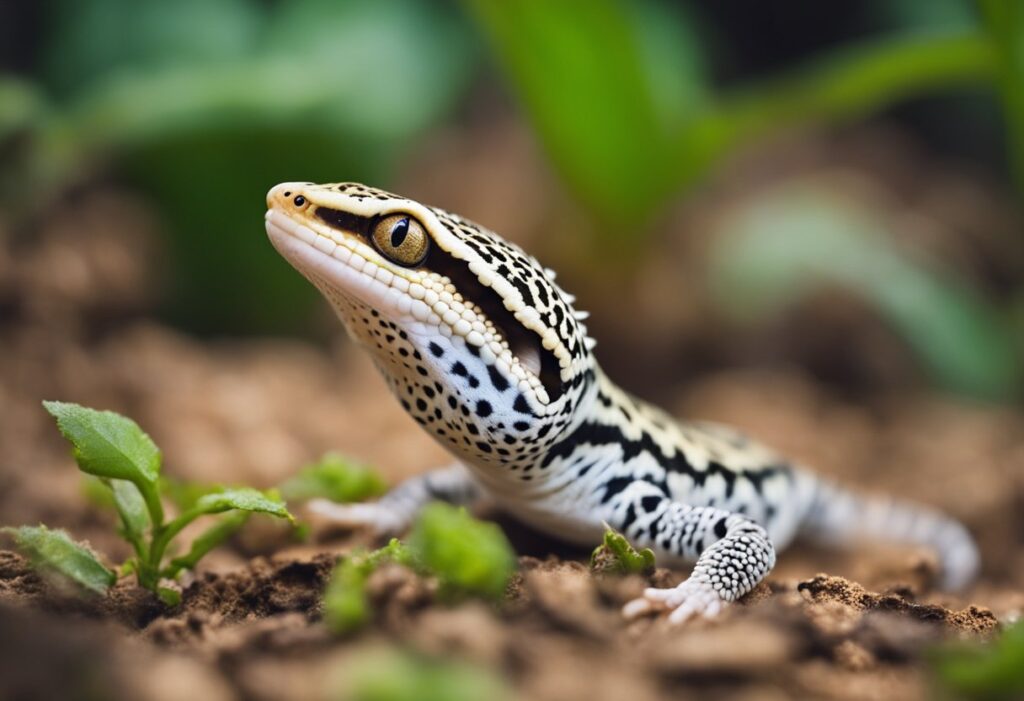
{"points": [[486, 352]]}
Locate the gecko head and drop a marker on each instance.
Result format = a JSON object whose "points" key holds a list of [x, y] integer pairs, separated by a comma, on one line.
{"points": [[468, 329]]}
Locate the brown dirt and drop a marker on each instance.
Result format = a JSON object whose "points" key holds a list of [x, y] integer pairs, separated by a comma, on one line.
{"points": [[72, 327]]}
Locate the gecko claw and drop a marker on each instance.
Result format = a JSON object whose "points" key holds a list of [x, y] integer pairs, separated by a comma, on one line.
{"points": [[639, 607], [692, 598]]}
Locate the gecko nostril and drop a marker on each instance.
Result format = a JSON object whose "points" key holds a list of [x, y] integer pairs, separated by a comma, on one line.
{"points": [[288, 193]]}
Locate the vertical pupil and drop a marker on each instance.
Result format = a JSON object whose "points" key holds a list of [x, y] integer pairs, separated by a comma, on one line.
{"points": [[399, 232]]}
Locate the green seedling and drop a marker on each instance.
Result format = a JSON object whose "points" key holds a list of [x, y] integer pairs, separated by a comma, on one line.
{"points": [[336, 478], [468, 558], [113, 449], [346, 606], [616, 555], [992, 671], [53, 551]]}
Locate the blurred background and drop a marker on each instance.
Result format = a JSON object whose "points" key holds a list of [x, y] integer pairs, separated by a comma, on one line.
{"points": [[725, 184], [802, 218]]}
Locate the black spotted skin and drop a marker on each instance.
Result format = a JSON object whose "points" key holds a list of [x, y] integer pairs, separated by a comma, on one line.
{"points": [[486, 352]]}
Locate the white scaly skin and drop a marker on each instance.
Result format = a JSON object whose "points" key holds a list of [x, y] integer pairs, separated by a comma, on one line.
{"points": [[487, 354]]}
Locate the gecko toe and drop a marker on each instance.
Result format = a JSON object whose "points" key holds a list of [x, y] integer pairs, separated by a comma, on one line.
{"points": [[693, 598]]}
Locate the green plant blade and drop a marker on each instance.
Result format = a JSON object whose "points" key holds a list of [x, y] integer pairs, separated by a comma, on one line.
{"points": [[336, 478], [779, 248], [604, 83], [848, 83], [131, 507], [209, 539], [467, 556], [107, 444], [55, 551], [243, 499]]}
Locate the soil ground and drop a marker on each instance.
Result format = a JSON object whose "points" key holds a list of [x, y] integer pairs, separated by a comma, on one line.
{"points": [[825, 625]]}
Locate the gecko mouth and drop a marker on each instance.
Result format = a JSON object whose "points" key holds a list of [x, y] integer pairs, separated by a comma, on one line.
{"points": [[524, 343]]}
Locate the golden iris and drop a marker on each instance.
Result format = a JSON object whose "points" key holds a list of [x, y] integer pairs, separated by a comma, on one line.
{"points": [[401, 239]]}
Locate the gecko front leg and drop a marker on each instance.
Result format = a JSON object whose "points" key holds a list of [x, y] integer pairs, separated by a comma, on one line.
{"points": [[733, 553], [395, 511]]}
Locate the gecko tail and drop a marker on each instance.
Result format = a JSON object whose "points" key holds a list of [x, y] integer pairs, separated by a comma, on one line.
{"points": [[838, 516]]}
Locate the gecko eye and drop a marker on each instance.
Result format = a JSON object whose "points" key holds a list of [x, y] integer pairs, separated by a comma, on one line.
{"points": [[299, 200], [401, 239]]}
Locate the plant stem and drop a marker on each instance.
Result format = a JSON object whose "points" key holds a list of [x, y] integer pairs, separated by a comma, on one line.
{"points": [[151, 494], [162, 536]]}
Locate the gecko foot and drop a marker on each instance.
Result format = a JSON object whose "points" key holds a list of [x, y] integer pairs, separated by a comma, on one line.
{"points": [[373, 516], [692, 598]]}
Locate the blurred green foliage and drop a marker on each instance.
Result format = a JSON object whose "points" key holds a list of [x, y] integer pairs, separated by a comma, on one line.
{"points": [[1004, 24], [334, 477], [775, 249], [623, 103], [346, 604], [467, 557], [992, 671], [624, 106], [208, 104]]}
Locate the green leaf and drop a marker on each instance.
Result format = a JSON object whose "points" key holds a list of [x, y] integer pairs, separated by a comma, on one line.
{"points": [[224, 528], [336, 478], [131, 507], [244, 499], [53, 550], [467, 556], [616, 554], [107, 444], [780, 247]]}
